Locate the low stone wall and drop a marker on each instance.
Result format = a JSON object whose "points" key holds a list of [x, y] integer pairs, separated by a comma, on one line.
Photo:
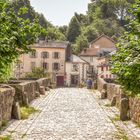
{"points": [[27, 90], [134, 106], [19, 93], [44, 82], [24, 91], [6, 102], [101, 84], [129, 107]]}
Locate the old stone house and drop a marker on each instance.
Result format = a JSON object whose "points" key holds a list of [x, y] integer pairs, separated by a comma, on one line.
{"points": [[76, 71], [50, 55], [100, 46]]}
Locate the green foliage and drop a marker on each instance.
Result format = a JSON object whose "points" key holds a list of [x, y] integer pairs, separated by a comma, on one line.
{"points": [[16, 34], [126, 62], [63, 30], [73, 29], [90, 32], [5, 137], [103, 17], [37, 73], [81, 43], [55, 34], [26, 112]]}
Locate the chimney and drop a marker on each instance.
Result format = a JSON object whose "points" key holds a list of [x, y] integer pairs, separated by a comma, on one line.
{"points": [[85, 50]]}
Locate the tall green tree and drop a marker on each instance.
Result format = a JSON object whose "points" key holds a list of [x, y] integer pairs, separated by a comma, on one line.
{"points": [[16, 33], [126, 62], [81, 43], [73, 29]]}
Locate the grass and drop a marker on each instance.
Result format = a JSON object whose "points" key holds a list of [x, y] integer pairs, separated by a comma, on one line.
{"points": [[121, 134], [108, 105], [8, 137], [116, 118], [3, 124], [26, 112]]}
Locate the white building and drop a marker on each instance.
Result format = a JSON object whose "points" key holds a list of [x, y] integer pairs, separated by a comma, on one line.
{"points": [[103, 44], [76, 71]]}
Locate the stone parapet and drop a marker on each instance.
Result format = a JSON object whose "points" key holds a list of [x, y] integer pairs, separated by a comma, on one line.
{"points": [[6, 103], [129, 106], [26, 89]]}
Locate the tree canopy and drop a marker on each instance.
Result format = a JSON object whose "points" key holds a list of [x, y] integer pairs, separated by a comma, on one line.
{"points": [[126, 62], [16, 33], [103, 17]]}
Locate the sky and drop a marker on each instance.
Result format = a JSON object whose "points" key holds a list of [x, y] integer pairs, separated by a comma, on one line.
{"points": [[59, 12]]}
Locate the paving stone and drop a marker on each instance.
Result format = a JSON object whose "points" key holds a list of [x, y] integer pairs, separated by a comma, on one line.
{"points": [[66, 114]]}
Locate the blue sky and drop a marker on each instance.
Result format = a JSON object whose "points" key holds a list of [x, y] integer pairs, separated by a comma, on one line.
{"points": [[59, 12]]}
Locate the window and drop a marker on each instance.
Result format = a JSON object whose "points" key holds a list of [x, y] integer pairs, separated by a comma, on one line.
{"points": [[102, 76], [45, 55], [33, 64], [45, 65], [33, 54], [102, 68], [56, 55], [107, 68], [75, 67], [56, 66], [91, 59]]}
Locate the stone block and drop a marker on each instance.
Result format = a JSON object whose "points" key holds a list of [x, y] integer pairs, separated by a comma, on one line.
{"points": [[113, 101], [47, 89], [16, 111], [103, 94], [42, 90], [37, 94], [124, 107], [25, 99]]}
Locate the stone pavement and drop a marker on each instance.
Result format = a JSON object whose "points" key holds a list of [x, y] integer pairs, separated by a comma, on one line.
{"points": [[65, 114]]}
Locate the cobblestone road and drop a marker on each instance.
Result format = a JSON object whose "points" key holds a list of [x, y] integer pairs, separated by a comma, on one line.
{"points": [[65, 114]]}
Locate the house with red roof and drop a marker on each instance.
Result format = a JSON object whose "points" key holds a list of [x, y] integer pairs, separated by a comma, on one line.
{"points": [[97, 48]]}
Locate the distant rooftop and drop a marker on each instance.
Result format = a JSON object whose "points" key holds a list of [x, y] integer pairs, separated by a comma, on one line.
{"points": [[76, 59], [51, 44]]}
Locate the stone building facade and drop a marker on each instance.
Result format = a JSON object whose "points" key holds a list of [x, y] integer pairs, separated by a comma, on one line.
{"points": [[76, 71], [97, 48], [50, 55]]}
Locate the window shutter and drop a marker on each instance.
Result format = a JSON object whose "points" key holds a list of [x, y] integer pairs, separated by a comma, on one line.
{"points": [[58, 66], [47, 54], [59, 54], [52, 66], [36, 54]]}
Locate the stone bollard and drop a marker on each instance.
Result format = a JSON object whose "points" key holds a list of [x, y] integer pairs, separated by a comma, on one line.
{"points": [[124, 107], [25, 99], [37, 94], [16, 111], [42, 90], [0, 116], [103, 94], [47, 88], [113, 100]]}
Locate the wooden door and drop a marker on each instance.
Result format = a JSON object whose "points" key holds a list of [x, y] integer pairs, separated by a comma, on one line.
{"points": [[60, 81]]}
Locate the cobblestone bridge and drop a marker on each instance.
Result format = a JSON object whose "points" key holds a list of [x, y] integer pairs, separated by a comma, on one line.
{"points": [[67, 114]]}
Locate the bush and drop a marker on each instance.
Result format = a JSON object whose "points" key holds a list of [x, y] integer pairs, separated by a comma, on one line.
{"points": [[37, 73]]}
